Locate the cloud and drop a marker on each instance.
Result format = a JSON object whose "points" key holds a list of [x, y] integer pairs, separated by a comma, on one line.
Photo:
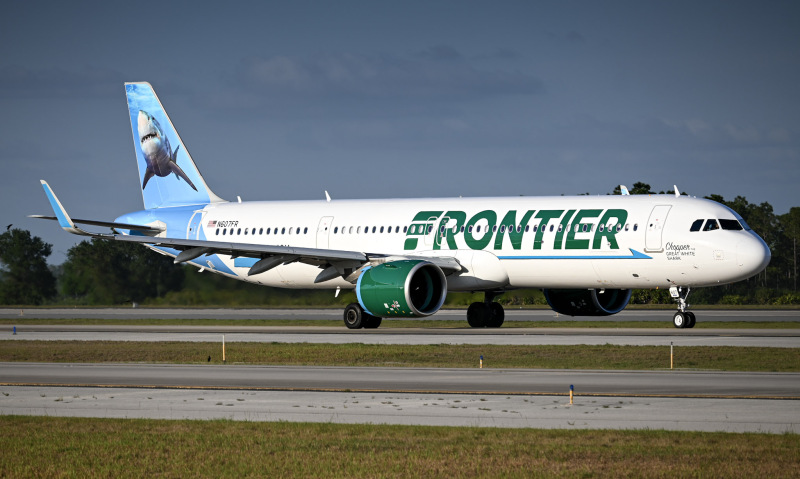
{"points": [[434, 74], [17, 82]]}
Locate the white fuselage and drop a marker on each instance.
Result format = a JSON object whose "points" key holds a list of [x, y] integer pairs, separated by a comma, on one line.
{"points": [[617, 242]]}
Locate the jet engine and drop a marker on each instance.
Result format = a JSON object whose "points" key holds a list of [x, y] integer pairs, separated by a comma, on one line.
{"points": [[406, 288], [587, 302]]}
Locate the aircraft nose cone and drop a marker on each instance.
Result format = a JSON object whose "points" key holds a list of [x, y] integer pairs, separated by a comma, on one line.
{"points": [[752, 255]]}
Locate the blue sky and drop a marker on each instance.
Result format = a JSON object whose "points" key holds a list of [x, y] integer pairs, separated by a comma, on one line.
{"points": [[283, 100]]}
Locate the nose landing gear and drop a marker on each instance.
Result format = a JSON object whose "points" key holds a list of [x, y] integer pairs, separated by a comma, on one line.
{"points": [[682, 318]]}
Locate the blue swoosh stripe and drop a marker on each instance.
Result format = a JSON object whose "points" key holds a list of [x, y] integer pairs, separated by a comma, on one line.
{"points": [[634, 255]]}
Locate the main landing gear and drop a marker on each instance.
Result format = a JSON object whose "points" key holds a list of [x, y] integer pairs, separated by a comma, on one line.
{"points": [[682, 318], [487, 314], [356, 318]]}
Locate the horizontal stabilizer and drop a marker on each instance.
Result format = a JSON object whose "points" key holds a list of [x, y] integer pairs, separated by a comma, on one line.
{"points": [[148, 230]]}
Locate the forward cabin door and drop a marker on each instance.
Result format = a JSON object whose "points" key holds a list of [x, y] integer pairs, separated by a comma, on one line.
{"points": [[323, 231], [655, 228]]}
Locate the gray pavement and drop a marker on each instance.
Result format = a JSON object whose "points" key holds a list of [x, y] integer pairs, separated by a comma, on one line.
{"points": [[514, 411], [336, 314], [666, 383], [777, 338]]}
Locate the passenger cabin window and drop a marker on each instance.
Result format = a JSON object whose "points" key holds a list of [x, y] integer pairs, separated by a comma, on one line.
{"points": [[711, 225], [731, 225]]}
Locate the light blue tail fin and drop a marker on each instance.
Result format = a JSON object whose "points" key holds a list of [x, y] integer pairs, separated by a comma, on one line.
{"points": [[167, 174]]}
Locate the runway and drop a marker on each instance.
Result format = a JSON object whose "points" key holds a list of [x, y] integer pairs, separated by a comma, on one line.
{"points": [[667, 383], [776, 338], [454, 397], [336, 314], [673, 400]]}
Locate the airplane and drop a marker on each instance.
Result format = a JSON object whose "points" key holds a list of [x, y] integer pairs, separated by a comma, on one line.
{"points": [[403, 256]]}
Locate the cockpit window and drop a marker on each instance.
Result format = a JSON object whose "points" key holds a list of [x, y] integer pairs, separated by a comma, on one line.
{"points": [[711, 225], [744, 223], [732, 225], [696, 225]]}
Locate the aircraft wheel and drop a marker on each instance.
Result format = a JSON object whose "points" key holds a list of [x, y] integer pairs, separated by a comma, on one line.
{"points": [[498, 315], [370, 322], [478, 315], [679, 320], [354, 316], [690, 319]]}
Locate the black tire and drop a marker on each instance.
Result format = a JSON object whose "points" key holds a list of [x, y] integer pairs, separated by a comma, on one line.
{"points": [[679, 320], [354, 316], [478, 315], [370, 322], [690, 319], [497, 315]]}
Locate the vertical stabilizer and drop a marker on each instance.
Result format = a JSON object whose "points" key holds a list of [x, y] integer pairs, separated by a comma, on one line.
{"points": [[167, 174]]}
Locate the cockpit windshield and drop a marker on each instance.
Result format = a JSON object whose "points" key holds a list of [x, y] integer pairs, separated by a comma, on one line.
{"points": [[712, 224], [732, 225]]}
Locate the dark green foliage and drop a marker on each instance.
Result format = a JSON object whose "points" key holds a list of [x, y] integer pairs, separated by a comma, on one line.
{"points": [[113, 272], [25, 276]]}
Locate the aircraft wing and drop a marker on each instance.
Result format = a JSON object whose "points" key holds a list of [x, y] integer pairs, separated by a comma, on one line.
{"points": [[336, 262]]}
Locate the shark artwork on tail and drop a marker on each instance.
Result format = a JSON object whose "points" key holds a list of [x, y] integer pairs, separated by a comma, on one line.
{"points": [[161, 159]]}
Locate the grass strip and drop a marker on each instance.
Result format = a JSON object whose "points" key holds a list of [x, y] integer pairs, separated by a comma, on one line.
{"points": [[724, 358], [87, 447], [399, 323]]}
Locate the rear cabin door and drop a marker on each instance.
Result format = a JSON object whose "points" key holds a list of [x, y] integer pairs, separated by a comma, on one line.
{"points": [[655, 228], [193, 230]]}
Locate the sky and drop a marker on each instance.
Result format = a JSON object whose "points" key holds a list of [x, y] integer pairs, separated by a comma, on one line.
{"points": [[284, 100]]}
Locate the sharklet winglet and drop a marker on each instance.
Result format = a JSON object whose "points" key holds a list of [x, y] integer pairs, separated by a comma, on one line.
{"points": [[61, 214]]}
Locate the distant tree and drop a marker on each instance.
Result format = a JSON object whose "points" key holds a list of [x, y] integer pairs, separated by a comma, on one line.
{"points": [[26, 278], [639, 188], [791, 228], [114, 272]]}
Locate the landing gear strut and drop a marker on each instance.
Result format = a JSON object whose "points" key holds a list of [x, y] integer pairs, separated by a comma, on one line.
{"points": [[488, 314], [682, 318]]}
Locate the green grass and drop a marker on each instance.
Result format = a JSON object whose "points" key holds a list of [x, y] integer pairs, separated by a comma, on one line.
{"points": [[724, 358], [400, 323], [80, 447]]}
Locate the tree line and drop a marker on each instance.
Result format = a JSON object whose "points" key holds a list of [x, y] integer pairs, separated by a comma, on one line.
{"points": [[98, 272]]}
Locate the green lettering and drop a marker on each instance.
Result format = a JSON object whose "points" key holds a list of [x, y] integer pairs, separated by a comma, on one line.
{"points": [[604, 230], [545, 216], [418, 227], [561, 227], [515, 231], [483, 241], [447, 231], [573, 243]]}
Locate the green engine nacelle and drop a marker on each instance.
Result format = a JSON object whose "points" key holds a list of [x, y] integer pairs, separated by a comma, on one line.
{"points": [[407, 288]]}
